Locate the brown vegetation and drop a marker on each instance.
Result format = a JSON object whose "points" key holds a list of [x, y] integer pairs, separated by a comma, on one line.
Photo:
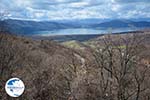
{"points": [[114, 69]]}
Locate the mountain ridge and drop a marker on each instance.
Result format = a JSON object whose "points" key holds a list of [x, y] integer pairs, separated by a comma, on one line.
{"points": [[31, 27]]}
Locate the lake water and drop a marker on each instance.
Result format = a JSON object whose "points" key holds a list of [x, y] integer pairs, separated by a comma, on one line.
{"points": [[80, 31]]}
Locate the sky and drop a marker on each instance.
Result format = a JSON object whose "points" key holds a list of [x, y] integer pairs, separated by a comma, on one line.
{"points": [[75, 9]]}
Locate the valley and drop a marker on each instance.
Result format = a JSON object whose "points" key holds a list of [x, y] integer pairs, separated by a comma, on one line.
{"points": [[76, 69], [74, 50]]}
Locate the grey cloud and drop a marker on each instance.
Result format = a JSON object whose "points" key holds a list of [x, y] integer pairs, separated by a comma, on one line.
{"points": [[76, 8], [131, 1]]}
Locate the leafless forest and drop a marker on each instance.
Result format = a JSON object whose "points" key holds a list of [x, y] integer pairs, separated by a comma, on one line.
{"points": [[112, 67]]}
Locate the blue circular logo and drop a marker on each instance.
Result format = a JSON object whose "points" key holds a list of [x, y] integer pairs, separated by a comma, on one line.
{"points": [[14, 87]]}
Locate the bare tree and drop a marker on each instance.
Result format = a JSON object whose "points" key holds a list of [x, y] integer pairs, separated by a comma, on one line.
{"points": [[117, 59], [10, 57]]}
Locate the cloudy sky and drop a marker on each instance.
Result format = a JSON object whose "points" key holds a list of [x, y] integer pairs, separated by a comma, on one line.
{"points": [[75, 9]]}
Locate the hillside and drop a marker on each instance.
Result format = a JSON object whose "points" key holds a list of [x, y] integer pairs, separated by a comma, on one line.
{"points": [[23, 27], [123, 24], [74, 44], [40, 64], [65, 38], [77, 70], [99, 39]]}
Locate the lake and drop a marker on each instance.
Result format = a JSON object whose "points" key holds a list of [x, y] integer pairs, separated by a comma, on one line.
{"points": [[81, 31]]}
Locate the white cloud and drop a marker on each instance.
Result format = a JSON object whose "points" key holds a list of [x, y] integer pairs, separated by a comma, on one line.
{"points": [[79, 4], [75, 9], [115, 7]]}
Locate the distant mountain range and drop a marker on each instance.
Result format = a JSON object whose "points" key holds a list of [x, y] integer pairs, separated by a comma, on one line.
{"points": [[123, 24], [28, 27], [31, 27]]}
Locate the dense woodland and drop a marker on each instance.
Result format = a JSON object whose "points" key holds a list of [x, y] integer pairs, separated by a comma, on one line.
{"points": [[110, 67]]}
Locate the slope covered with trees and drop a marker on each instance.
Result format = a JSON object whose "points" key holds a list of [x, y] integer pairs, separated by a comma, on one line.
{"points": [[114, 68]]}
